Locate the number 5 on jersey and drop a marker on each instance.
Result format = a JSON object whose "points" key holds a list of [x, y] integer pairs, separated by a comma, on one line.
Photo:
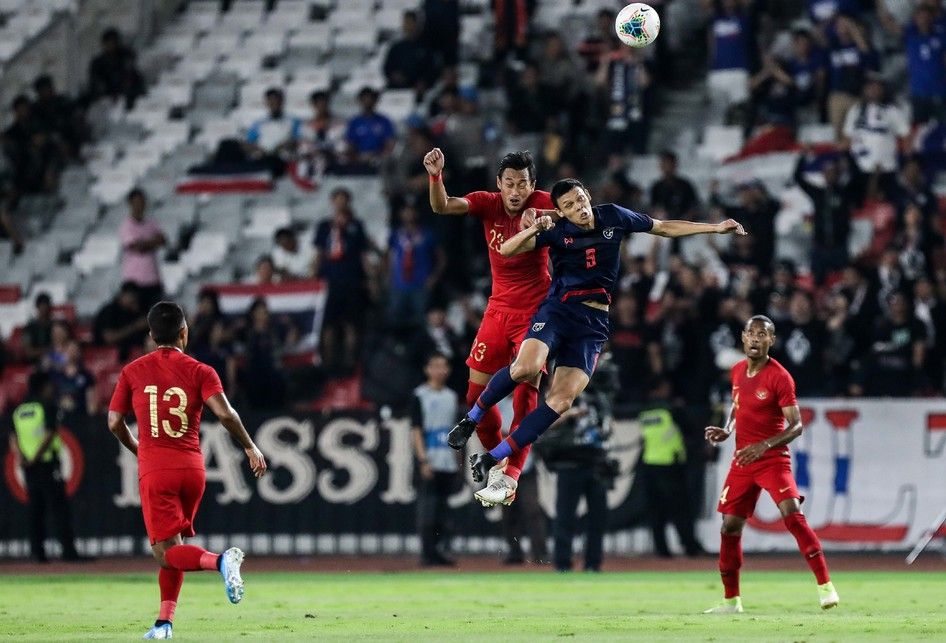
{"points": [[178, 411]]}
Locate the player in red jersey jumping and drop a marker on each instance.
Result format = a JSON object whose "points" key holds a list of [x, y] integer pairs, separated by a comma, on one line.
{"points": [[520, 283], [763, 394], [167, 391]]}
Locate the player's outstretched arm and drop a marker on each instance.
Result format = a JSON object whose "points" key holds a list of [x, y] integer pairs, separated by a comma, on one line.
{"points": [[440, 202], [678, 228], [529, 215], [118, 427], [524, 240], [231, 421]]}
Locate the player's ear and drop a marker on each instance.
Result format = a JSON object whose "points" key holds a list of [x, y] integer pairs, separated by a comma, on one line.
{"points": [[499, 183]]}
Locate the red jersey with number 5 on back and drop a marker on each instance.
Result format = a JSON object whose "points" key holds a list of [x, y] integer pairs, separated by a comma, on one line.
{"points": [[520, 283], [167, 390], [759, 400]]}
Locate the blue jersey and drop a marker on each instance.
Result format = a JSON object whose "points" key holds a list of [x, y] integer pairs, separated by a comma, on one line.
{"points": [[585, 263], [925, 62]]}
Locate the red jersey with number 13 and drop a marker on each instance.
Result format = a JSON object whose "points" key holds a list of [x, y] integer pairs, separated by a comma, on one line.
{"points": [[520, 283], [759, 400], [167, 390]]}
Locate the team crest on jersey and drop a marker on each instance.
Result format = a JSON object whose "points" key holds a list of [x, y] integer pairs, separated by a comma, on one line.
{"points": [[608, 233], [568, 241], [762, 394], [538, 326]]}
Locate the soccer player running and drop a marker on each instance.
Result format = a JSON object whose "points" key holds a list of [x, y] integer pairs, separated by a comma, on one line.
{"points": [[519, 285], [571, 324], [167, 391], [763, 395]]}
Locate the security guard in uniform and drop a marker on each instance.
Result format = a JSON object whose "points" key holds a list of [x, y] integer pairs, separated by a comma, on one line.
{"points": [[662, 472], [36, 443]]}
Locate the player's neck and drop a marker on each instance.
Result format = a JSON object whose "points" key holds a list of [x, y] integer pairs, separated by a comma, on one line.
{"points": [[173, 346], [756, 365]]}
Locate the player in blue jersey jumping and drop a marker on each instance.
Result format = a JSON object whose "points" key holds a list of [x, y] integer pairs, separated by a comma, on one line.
{"points": [[571, 325]]}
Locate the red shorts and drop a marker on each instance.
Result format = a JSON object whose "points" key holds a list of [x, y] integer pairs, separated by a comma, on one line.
{"points": [[744, 484], [498, 339], [169, 501]]}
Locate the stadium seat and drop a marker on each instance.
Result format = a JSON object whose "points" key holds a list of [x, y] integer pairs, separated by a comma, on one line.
{"points": [[15, 384], [10, 293], [244, 14], [313, 39], [13, 316], [720, 141], [173, 276], [57, 291], [204, 14], [99, 250], [397, 104], [266, 44], [265, 220]]}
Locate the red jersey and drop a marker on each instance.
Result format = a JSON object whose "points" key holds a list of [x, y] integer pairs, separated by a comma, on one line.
{"points": [[520, 283], [167, 390], [759, 401]]}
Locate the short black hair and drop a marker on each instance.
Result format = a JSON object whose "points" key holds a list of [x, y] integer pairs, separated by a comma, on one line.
{"points": [[129, 287], [19, 100], [273, 92], [165, 319], [669, 155], [521, 160], [410, 14], [135, 192], [38, 380], [563, 187], [317, 95], [339, 191], [283, 232], [368, 90], [111, 34], [432, 355], [769, 324], [43, 81], [43, 298]]}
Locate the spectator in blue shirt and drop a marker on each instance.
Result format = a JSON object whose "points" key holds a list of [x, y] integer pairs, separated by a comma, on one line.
{"points": [[926, 61], [370, 134], [415, 263], [273, 137], [732, 52], [806, 67], [850, 57]]}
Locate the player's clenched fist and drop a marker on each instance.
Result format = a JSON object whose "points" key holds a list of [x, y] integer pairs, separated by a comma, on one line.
{"points": [[715, 435], [257, 461], [433, 161], [544, 223]]}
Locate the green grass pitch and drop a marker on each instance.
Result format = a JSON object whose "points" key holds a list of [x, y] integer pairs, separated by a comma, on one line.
{"points": [[781, 606]]}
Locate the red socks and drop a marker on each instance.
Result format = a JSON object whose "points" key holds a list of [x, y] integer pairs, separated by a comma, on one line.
{"points": [[170, 581], [730, 560], [489, 429], [808, 545], [525, 399], [190, 558]]}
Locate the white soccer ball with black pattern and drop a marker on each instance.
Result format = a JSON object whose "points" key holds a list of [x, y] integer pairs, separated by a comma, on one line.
{"points": [[637, 24]]}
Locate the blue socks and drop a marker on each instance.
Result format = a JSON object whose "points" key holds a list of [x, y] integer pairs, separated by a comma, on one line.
{"points": [[500, 385], [533, 425]]}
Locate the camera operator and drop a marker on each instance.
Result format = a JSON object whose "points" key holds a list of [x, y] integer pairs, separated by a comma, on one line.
{"points": [[574, 448]]}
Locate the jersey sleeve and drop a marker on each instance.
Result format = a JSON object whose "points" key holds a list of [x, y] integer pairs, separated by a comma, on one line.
{"points": [[121, 398], [631, 221], [210, 383], [785, 390], [478, 203], [546, 238]]}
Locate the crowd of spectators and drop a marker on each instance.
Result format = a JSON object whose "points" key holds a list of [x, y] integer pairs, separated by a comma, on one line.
{"points": [[870, 323]]}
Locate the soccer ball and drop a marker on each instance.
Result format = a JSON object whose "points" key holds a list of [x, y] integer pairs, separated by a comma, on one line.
{"points": [[637, 25]]}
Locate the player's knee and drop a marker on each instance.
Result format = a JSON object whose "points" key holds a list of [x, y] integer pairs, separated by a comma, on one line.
{"points": [[732, 526], [523, 370], [159, 556]]}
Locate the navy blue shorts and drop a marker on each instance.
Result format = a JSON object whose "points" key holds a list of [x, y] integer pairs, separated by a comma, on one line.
{"points": [[575, 333]]}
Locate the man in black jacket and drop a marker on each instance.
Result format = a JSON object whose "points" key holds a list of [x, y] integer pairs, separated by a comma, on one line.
{"points": [[832, 206]]}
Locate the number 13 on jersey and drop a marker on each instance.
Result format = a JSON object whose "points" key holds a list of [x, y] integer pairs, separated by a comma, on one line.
{"points": [[179, 411]]}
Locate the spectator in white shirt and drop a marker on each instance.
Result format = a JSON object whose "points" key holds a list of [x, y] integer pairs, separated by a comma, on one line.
{"points": [[875, 131], [291, 260], [272, 138]]}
